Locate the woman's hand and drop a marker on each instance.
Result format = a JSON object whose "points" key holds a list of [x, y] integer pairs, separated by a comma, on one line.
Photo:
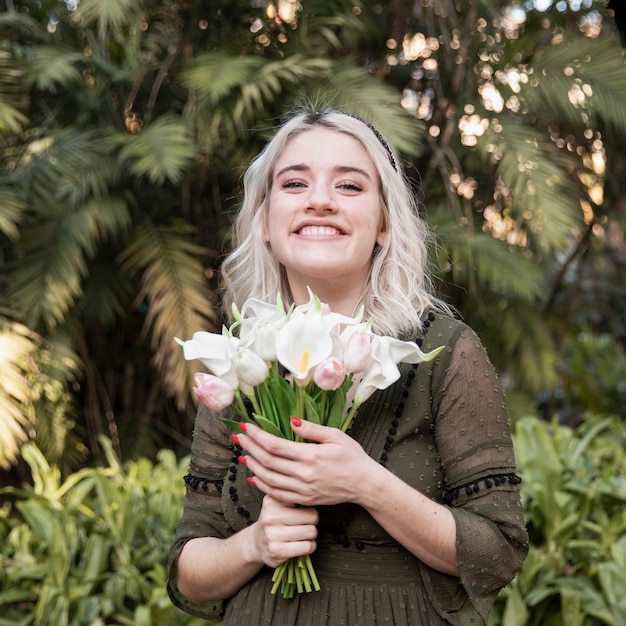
{"points": [[284, 531], [326, 472]]}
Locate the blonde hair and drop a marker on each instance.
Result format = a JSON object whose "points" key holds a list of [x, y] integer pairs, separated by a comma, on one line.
{"points": [[399, 289]]}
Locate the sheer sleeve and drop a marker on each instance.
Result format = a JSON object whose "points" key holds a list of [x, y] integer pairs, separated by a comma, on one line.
{"points": [[211, 454], [476, 450]]}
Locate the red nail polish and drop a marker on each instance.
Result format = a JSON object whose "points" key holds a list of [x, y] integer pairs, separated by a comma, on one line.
{"points": [[296, 421], [251, 480], [244, 427], [242, 460], [235, 438]]}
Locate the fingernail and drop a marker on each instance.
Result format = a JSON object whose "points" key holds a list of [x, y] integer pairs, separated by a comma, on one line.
{"points": [[296, 421], [244, 427], [235, 438], [242, 460], [251, 480]]}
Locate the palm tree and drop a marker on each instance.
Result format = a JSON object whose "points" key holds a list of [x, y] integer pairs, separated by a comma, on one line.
{"points": [[126, 126]]}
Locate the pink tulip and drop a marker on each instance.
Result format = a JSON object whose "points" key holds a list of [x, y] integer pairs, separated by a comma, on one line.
{"points": [[357, 352], [329, 374], [213, 391]]}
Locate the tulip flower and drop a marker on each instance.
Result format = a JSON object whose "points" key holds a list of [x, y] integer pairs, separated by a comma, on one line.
{"points": [[329, 374], [250, 368], [216, 393], [357, 350]]}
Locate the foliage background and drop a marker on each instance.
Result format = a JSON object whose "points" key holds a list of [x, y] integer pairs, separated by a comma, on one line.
{"points": [[125, 126]]}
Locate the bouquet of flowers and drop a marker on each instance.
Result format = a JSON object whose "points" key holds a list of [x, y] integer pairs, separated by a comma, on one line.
{"points": [[306, 361]]}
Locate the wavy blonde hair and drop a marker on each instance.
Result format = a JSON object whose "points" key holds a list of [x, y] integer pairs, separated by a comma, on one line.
{"points": [[399, 289]]}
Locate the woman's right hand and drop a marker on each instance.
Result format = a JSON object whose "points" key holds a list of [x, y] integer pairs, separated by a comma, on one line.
{"points": [[284, 531]]}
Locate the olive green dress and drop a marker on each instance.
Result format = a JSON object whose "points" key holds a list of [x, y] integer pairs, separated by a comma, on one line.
{"points": [[442, 428]]}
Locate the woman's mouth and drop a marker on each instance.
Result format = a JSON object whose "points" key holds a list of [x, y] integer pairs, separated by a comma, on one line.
{"points": [[318, 231]]}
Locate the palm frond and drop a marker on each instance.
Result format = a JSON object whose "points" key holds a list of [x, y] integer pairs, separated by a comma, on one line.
{"points": [[68, 167], [16, 24], [541, 195], [479, 258], [215, 75], [161, 151], [54, 252], [594, 68], [358, 92], [109, 15], [177, 297], [16, 396], [51, 66], [520, 344], [12, 208]]}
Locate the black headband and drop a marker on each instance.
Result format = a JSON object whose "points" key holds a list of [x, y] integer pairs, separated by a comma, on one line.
{"points": [[380, 138]]}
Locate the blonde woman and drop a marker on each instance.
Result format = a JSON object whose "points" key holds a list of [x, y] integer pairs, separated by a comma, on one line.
{"points": [[414, 517]]}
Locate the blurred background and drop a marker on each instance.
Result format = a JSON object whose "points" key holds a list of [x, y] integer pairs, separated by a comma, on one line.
{"points": [[125, 128]]}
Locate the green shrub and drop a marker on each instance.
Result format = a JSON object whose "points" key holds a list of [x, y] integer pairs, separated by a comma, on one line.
{"points": [[92, 549], [574, 493]]}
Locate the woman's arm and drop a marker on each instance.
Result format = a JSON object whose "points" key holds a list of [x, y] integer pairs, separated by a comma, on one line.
{"points": [[210, 568], [339, 471]]}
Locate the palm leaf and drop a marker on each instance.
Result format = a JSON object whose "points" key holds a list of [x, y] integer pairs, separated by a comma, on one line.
{"points": [[213, 75], [476, 257], [12, 210], [520, 343], [542, 197], [109, 15], [161, 151], [177, 297], [379, 103], [596, 63], [54, 254], [51, 66], [16, 409]]}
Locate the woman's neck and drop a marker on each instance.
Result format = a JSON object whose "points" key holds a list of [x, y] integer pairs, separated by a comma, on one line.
{"points": [[340, 298]]}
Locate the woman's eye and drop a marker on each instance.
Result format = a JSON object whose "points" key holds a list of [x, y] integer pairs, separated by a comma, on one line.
{"points": [[351, 186], [292, 184]]}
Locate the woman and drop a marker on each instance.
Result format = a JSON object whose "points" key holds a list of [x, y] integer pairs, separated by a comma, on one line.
{"points": [[414, 517]]}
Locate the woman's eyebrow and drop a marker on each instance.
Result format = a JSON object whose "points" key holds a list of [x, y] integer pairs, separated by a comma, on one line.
{"points": [[340, 169]]}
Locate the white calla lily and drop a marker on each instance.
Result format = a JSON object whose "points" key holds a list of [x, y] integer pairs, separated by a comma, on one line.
{"points": [[301, 344], [215, 351], [259, 324], [382, 369]]}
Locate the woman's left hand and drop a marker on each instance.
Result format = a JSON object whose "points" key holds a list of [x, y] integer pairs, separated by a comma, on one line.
{"points": [[328, 471]]}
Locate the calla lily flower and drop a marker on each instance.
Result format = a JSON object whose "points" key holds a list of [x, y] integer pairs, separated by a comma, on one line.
{"points": [[216, 352], [259, 325], [216, 393], [382, 370], [301, 344]]}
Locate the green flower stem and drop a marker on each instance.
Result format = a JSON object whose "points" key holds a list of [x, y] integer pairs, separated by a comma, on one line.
{"points": [[240, 407], [348, 419]]}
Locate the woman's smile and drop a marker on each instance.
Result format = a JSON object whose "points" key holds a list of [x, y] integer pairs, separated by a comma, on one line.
{"points": [[325, 213]]}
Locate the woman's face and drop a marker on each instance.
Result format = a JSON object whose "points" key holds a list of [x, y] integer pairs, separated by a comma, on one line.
{"points": [[325, 214]]}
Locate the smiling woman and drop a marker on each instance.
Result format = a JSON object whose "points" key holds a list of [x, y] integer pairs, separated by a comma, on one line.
{"points": [[413, 516], [325, 216]]}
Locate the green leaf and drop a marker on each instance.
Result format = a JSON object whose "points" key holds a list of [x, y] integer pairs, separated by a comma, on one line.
{"points": [[269, 427], [161, 151]]}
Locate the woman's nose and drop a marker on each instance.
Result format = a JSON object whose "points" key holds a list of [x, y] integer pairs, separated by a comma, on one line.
{"points": [[321, 199]]}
